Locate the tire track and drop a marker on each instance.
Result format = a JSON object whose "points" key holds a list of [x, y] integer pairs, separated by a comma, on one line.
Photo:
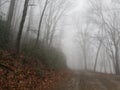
{"points": [[110, 85], [90, 81]]}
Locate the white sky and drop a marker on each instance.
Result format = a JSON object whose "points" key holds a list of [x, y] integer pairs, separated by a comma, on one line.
{"points": [[80, 5]]}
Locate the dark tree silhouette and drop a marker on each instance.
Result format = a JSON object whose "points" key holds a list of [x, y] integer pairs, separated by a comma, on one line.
{"points": [[18, 41]]}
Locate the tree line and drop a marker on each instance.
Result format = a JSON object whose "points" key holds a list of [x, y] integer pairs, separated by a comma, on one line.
{"points": [[21, 32], [99, 36]]}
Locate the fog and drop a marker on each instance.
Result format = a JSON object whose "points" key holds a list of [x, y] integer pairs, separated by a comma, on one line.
{"points": [[85, 31], [59, 44], [69, 43]]}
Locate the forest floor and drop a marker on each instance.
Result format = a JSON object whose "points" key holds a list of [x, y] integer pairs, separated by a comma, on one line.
{"points": [[27, 73]]}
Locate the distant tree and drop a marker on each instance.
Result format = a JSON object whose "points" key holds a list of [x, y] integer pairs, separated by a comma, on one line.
{"points": [[83, 39], [40, 23], [111, 30], [55, 11], [97, 54], [10, 13], [1, 4]]}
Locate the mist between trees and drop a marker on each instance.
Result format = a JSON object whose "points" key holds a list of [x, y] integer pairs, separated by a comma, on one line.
{"points": [[98, 36], [33, 27]]}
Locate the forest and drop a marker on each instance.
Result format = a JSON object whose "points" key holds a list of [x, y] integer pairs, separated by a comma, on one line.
{"points": [[59, 45]]}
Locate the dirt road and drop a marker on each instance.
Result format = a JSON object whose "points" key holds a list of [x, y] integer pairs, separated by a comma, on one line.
{"points": [[90, 81]]}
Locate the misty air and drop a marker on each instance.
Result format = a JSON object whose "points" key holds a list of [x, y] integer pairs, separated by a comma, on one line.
{"points": [[59, 44]]}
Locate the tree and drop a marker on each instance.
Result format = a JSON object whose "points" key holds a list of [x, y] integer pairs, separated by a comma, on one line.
{"points": [[40, 23], [110, 30], [84, 41], [30, 21], [1, 4], [10, 13], [56, 10], [19, 36], [97, 54]]}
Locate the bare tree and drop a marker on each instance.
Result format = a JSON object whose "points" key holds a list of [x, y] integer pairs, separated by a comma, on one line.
{"points": [[40, 23], [19, 36], [56, 9], [10, 13], [84, 39], [111, 30], [97, 54], [1, 4], [30, 21]]}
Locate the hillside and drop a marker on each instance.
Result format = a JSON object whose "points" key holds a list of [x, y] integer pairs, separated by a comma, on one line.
{"points": [[19, 72]]}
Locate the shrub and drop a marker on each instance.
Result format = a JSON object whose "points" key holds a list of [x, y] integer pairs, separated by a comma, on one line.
{"points": [[4, 35], [52, 57]]}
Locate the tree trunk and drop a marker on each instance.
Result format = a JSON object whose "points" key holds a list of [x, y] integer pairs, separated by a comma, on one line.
{"points": [[40, 23], [10, 13], [85, 56], [19, 36], [117, 60], [96, 59]]}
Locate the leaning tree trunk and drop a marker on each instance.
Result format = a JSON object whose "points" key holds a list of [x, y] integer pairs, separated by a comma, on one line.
{"points": [[117, 70], [40, 23], [18, 41], [96, 58]]}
